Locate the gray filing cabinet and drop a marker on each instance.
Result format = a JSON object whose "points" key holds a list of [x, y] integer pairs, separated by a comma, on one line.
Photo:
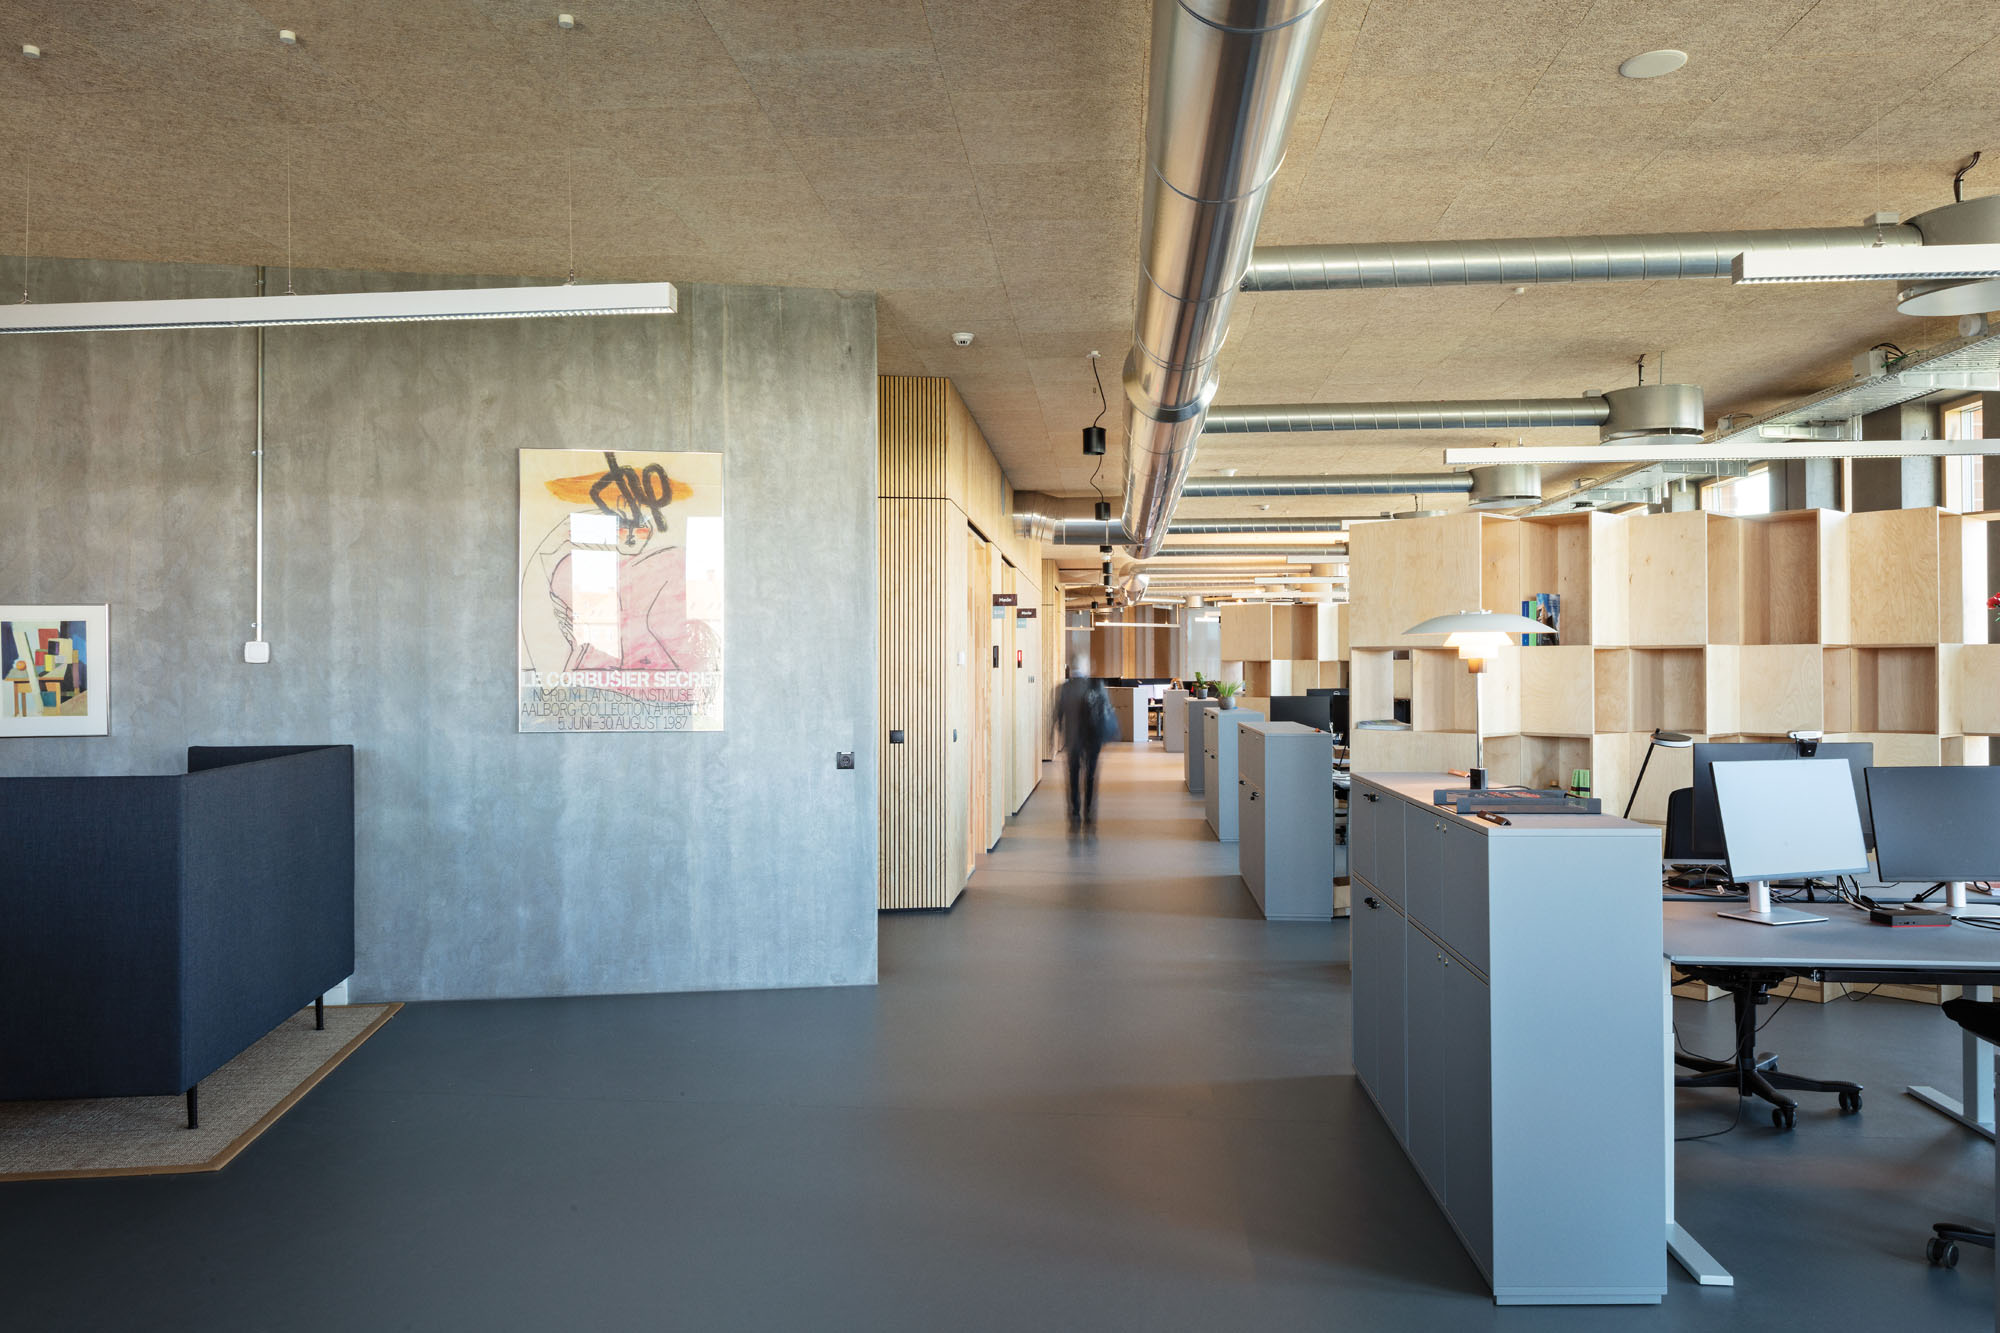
{"points": [[1174, 720], [1219, 767], [1284, 819], [1485, 957], [1195, 771]]}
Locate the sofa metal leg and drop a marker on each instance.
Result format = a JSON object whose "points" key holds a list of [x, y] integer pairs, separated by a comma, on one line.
{"points": [[194, 1119]]}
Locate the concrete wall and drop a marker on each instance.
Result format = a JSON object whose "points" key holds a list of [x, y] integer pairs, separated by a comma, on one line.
{"points": [[490, 863]]}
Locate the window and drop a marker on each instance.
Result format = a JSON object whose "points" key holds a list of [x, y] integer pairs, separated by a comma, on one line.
{"points": [[1965, 474], [1739, 495]]}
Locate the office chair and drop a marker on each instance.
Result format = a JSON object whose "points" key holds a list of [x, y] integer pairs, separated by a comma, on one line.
{"points": [[1751, 1072], [1982, 1019]]}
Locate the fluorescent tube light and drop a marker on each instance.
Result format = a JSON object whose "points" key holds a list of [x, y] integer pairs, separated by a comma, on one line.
{"points": [[1751, 451], [1891, 263], [249, 312]]}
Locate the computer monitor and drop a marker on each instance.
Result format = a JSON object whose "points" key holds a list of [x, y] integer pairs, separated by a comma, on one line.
{"points": [[1936, 824], [1338, 701], [1786, 819], [1304, 709], [1706, 838]]}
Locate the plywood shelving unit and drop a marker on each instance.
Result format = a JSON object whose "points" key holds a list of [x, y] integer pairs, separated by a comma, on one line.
{"points": [[1864, 626]]}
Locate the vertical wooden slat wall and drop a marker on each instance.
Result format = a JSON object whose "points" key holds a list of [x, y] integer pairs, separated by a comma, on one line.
{"points": [[943, 510]]}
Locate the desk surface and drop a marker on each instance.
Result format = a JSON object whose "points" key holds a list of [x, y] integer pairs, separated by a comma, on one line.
{"points": [[1696, 936], [1418, 788]]}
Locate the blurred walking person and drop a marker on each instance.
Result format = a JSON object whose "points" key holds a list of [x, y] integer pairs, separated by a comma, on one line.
{"points": [[1084, 720]]}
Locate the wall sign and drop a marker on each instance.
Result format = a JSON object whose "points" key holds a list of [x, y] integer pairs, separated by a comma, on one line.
{"points": [[1025, 613], [621, 591], [1005, 598], [56, 665]]}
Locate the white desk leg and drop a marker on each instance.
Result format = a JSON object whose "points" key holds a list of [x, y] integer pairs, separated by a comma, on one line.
{"points": [[1686, 1250], [1973, 1108]]}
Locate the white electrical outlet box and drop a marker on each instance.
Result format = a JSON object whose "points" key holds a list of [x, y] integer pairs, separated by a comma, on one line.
{"points": [[257, 650]]}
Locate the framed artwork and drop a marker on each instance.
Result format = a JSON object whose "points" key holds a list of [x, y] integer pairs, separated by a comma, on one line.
{"points": [[621, 591], [55, 665]]}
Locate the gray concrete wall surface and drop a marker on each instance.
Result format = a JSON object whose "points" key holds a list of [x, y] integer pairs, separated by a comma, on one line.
{"points": [[490, 863]]}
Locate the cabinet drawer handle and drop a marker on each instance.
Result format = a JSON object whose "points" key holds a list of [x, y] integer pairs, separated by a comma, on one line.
{"points": [[1370, 900], [1371, 796], [1253, 795]]}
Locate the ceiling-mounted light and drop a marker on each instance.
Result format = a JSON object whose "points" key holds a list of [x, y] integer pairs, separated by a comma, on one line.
{"points": [[1887, 263], [250, 312], [1752, 451]]}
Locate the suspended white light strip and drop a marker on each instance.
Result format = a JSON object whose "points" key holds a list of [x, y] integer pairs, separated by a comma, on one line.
{"points": [[250, 312], [1753, 451], [1888, 263]]}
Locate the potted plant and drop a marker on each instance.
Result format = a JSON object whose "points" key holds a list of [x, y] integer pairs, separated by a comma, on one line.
{"points": [[1225, 690], [1200, 689]]}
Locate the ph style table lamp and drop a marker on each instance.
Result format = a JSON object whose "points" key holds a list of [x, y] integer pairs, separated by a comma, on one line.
{"points": [[1478, 636]]}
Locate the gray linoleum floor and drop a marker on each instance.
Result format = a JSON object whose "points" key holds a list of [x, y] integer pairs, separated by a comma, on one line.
{"points": [[1100, 1094]]}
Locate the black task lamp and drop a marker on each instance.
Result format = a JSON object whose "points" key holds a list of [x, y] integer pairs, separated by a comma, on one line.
{"points": [[1665, 740]]}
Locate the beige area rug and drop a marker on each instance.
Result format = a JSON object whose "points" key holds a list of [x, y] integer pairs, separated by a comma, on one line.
{"points": [[142, 1136]]}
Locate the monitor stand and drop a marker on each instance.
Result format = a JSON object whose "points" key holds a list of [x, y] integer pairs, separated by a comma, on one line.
{"points": [[1956, 904], [1759, 909]]}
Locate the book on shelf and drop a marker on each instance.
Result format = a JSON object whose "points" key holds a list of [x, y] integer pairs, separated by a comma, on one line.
{"points": [[1546, 608]]}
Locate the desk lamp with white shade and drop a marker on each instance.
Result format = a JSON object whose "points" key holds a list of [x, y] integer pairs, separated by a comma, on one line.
{"points": [[1478, 636]]}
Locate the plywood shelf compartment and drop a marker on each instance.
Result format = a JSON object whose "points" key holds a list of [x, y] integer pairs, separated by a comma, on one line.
{"points": [[1641, 689], [1412, 570], [1667, 590], [1907, 573], [1246, 632], [1775, 688], [1557, 689], [1895, 690], [1580, 558], [1979, 689], [1371, 685], [1547, 761], [1778, 578]]}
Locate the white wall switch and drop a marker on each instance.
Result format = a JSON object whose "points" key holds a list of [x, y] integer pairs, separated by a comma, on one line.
{"points": [[257, 650]]}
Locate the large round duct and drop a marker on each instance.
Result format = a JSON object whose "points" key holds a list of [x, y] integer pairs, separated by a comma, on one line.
{"points": [[1505, 485], [1652, 410]]}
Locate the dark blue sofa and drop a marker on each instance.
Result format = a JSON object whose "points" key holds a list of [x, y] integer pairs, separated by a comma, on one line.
{"points": [[153, 928]]}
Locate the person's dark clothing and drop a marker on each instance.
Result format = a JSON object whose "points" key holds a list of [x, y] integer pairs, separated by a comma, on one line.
{"points": [[1084, 719]]}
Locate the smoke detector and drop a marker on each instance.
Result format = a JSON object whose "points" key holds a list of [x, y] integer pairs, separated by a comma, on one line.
{"points": [[961, 340]]}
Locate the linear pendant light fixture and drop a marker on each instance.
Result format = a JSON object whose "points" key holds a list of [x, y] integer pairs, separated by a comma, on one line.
{"points": [[251, 312], [1749, 451], [1888, 263]]}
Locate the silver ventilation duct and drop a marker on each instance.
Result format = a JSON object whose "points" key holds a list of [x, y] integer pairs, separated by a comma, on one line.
{"points": [[1539, 259], [1470, 414], [1070, 531], [1221, 95], [1240, 488]]}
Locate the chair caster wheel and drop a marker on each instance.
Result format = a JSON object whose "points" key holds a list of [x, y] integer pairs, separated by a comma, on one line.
{"points": [[1942, 1253], [1850, 1102], [1784, 1117]]}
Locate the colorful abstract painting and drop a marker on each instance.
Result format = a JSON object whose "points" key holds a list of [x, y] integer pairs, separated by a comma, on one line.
{"points": [[55, 669], [621, 591]]}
